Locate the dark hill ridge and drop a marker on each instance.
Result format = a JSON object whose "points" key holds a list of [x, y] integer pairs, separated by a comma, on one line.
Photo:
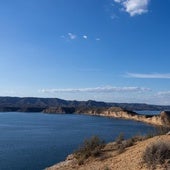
{"points": [[32, 104], [94, 108]]}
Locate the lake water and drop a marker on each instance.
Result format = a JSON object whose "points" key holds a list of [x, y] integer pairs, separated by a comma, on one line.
{"points": [[148, 112], [33, 141]]}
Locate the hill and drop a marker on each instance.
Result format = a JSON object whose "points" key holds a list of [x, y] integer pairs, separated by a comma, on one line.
{"points": [[130, 159], [32, 104]]}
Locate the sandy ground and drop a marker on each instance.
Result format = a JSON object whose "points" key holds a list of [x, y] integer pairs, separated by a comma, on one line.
{"points": [[131, 159]]}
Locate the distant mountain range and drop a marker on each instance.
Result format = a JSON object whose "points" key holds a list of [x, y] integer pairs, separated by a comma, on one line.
{"points": [[32, 104]]}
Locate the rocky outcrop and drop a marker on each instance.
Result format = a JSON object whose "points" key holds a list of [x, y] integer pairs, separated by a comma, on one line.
{"points": [[116, 112], [130, 159], [165, 117]]}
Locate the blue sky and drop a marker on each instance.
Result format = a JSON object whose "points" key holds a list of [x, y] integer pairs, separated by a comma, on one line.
{"points": [[105, 50]]}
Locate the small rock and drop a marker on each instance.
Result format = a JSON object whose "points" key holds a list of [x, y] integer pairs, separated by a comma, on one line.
{"points": [[168, 133], [70, 157]]}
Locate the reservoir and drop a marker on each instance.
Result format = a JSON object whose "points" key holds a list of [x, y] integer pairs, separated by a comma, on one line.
{"points": [[148, 112], [33, 141]]}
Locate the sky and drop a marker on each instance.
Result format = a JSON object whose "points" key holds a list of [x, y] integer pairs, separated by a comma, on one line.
{"points": [[104, 50]]}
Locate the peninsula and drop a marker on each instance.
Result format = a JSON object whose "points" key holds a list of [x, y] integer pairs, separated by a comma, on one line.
{"points": [[90, 107]]}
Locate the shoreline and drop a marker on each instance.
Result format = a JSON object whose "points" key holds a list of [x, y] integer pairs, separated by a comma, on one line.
{"points": [[162, 119], [131, 158]]}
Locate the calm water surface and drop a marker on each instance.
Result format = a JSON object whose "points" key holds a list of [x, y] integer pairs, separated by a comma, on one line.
{"points": [[148, 112], [33, 141]]}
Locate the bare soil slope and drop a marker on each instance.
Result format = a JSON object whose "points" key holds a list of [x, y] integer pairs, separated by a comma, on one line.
{"points": [[130, 159]]}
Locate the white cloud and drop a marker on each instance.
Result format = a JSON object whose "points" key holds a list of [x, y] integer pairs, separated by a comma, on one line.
{"points": [[149, 76], [118, 1], [134, 7], [106, 89], [72, 36], [85, 36]]}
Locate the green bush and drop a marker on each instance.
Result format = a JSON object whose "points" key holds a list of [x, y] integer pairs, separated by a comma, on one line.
{"points": [[90, 147], [156, 154]]}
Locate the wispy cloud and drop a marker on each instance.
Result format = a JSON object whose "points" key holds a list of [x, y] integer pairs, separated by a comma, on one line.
{"points": [[97, 90], [97, 39], [72, 36], [85, 36], [113, 16], [161, 97], [164, 93], [134, 7], [148, 76], [118, 1]]}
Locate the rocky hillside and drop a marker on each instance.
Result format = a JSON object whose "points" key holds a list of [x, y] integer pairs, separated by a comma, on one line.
{"points": [[130, 159], [115, 112], [54, 105]]}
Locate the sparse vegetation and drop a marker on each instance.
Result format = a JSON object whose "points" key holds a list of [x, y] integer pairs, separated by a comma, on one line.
{"points": [[137, 138], [106, 168], [121, 144], [158, 130], [161, 130], [94, 154], [91, 147], [120, 139], [157, 154]]}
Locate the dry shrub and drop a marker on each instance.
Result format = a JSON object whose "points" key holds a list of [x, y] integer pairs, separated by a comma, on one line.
{"points": [[120, 139], [156, 154], [138, 138], [90, 147], [106, 168], [162, 130], [121, 144], [158, 130]]}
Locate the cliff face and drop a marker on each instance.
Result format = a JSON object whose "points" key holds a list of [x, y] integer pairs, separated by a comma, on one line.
{"points": [[165, 117], [116, 112], [125, 114]]}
